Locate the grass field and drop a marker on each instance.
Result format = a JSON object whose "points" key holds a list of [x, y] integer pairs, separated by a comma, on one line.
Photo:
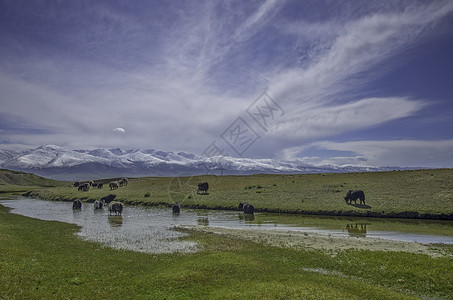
{"points": [[45, 260], [407, 194], [19, 182]]}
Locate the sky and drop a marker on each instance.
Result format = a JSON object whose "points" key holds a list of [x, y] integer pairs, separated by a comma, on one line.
{"points": [[361, 83]]}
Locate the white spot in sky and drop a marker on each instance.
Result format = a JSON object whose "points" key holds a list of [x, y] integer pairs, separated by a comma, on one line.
{"points": [[119, 131]]}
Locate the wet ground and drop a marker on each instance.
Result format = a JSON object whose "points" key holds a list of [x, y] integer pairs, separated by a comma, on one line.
{"points": [[320, 242], [149, 230]]}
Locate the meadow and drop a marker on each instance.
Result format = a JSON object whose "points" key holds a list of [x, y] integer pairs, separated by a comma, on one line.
{"points": [[15, 182], [404, 194], [46, 260]]}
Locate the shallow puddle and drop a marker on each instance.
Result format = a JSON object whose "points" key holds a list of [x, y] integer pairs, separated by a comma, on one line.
{"points": [[149, 230]]}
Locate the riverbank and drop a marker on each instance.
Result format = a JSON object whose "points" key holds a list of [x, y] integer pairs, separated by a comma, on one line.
{"points": [[326, 243], [46, 260], [416, 194], [147, 229]]}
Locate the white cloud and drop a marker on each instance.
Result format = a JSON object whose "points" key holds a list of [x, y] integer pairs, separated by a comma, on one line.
{"points": [[262, 16], [409, 153], [325, 120], [16, 147], [176, 88], [361, 45]]}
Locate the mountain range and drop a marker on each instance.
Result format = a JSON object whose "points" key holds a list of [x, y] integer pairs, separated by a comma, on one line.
{"points": [[62, 164]]}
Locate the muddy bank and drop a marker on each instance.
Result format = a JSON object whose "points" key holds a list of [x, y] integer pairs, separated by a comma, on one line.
{"points": [[365, 213], [328, 243]]}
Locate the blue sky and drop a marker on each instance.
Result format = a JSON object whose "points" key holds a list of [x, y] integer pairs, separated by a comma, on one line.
{"points": [[366, 83]]}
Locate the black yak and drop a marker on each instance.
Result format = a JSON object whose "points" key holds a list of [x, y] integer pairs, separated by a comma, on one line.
{"points": [[113, 185], [116, 208], [175, 208], [98, 204], [203, 187], [123, 181], [354, 195], [85, 187], [247, 208], [77, 204], [108, 199]]}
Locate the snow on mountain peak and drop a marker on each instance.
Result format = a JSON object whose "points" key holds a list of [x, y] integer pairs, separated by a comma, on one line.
{"points": [[51, 160], [116, 151], [51, 148]]}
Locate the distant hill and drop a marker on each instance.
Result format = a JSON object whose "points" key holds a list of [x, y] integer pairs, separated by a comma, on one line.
{"points": [[75, 165], [8, 177]]}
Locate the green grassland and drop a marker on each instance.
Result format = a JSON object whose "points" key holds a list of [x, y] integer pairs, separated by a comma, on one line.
{"points": [[45, 260], [407, 194], [16, 182]]}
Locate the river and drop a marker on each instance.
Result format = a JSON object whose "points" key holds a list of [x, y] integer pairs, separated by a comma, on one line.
{"points": [[149, 229]]}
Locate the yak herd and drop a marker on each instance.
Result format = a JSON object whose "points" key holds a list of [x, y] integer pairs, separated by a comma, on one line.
{"points": [[116, 207], [85, 186]]}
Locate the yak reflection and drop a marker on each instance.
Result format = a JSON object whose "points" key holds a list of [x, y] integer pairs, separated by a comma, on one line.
{"points": [[246, 217], [356, 230], [203, 221], [115, 221]]}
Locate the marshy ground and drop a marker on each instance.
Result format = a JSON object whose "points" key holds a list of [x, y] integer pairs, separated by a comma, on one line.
{"points": [[326, 243]]}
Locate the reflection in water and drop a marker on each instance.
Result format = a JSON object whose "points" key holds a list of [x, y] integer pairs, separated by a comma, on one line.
{"points": [[246, 217], [115, 221], [138, 229], [356, 230], [99, 211], [203, 221], [77, 214], [148, 229]]}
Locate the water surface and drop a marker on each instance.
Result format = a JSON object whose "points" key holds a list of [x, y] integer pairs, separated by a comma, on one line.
{"points": [[147, 229]]}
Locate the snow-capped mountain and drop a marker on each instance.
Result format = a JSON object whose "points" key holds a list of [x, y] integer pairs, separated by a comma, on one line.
{"points": [[62, 164]]}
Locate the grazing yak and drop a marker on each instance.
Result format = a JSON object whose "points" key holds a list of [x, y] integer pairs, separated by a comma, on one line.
{"points": [[77, 204], [100, 185], [175, 208], [116, 208], [76, 184], [354, 195], [85, 187], [123, 181], [98, 204], [113, 185], [247, 208], [203, 187], [108, 199]]}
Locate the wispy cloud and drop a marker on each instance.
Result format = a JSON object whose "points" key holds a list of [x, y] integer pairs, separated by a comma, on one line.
{"points": [[322, 121], [175, 76], [413, 153], [360, 45]]}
